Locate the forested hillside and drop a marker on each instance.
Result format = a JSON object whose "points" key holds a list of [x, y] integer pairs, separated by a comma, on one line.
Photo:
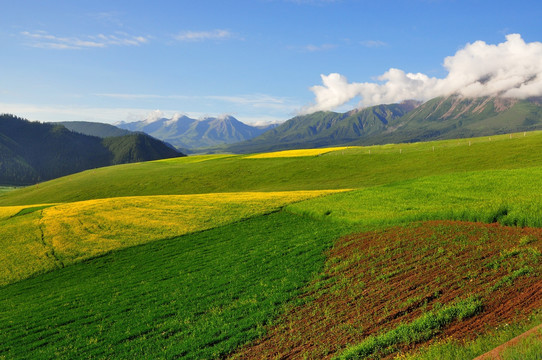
{"points": [[31, 152]]}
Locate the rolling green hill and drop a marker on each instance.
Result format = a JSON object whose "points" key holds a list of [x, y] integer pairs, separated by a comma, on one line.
{"points": [[31, 152], [344, 169], [430, 246]]}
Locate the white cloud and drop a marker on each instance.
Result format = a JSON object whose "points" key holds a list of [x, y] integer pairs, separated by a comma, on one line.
{"points": [[154, 116], [510, 69], [373, 43], [42, 39], [217, 34]]}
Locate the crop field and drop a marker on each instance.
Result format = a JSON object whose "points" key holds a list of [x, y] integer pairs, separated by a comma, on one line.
{"points": [[408, 251], [197, 296], [42, 238], [511, 197], [297, 153], [382, 291]]}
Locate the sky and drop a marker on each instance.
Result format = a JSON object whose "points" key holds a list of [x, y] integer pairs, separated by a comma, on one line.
{"points": [[260, 61]]}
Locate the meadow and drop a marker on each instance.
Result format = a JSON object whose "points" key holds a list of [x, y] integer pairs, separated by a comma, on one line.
{"points": [[345, 169], [360, 252]]}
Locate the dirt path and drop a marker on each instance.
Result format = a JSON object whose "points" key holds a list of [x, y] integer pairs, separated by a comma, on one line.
{"points": [[495, 354]]}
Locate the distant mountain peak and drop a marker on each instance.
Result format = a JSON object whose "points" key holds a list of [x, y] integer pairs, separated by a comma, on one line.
{"points": [[185, 132]]}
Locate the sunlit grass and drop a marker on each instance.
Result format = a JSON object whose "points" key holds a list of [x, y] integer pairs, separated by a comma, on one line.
{"points": [[528, 348], [511, 197], [5, 189], [199, 296], [43, 238], [352, 168], [421, 329], [298, 153], [452, 349]]}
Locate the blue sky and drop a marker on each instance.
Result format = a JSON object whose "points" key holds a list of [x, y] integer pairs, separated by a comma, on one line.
{"points": [[257, 60]]}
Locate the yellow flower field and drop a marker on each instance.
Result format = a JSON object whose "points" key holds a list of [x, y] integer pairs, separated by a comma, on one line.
{"points": [[297, 153], [9, 211], [66, 233]]}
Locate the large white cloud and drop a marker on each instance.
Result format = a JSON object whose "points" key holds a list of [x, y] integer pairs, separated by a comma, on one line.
{"points": [[510, 69]]}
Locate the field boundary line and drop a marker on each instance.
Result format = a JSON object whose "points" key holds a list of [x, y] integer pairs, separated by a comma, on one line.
{"points": [[495, 354]]}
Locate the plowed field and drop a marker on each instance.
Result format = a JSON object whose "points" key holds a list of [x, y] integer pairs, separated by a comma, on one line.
{"points": [[375, 281]]}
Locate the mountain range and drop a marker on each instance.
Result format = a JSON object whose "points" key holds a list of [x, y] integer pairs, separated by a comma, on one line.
{"points": [[32, 152], [187, 133], [410, 121]]}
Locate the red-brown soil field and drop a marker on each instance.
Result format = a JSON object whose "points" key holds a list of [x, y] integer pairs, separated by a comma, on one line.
{"points": [[376, 280]]}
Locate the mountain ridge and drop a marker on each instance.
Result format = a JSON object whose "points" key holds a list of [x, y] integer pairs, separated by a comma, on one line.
{"points": [[326, 128], [436, 119], [93, 128]]}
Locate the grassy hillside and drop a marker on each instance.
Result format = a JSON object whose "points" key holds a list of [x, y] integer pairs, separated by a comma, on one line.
{"points": [[511, 197], [384, 291], [392, 265], [41, 238], [345, 168], [197, 296]]}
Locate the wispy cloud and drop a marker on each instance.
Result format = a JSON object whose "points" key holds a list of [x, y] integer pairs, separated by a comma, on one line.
{"points": [[108, 17], [251, 100], [257, 101], [313, 48], [373, 43], [313, 2], [323, 47], [111, 115], [135, 96], [42, 39], [217, 34]]}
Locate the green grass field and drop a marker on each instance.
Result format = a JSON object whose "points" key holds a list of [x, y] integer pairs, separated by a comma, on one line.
{"points": [[4, 189], [198, 296], [37, 239], [202, 257], [344, 169], [511, 197]]}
